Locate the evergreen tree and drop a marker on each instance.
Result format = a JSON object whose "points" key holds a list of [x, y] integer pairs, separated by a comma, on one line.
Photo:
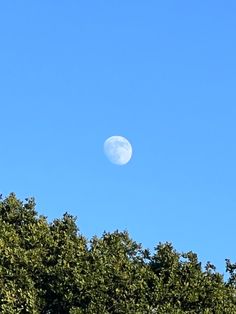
{"points": [[52, 268]]}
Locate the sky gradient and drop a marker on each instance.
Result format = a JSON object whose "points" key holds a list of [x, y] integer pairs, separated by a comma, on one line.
{"points": [[160, 73]]}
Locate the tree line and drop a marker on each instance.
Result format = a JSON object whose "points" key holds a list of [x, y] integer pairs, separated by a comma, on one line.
{"points": [[52, 268]]}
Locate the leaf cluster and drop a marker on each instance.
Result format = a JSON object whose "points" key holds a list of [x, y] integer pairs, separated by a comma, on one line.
{"points": [[51, 268]]}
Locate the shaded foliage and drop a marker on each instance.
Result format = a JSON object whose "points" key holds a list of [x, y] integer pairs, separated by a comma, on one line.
{"points": [[52, 268]]}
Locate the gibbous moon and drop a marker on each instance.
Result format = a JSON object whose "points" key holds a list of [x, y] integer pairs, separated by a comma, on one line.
{"points": [[118, 150]]}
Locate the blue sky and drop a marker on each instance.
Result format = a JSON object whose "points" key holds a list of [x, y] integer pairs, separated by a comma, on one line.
{"points": [[162, 74]]}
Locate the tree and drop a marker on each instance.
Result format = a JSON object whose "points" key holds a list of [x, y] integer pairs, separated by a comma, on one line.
{"points": [[52, 268]]}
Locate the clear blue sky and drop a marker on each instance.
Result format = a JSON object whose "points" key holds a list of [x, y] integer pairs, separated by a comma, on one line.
{"points": [[162, 74]]}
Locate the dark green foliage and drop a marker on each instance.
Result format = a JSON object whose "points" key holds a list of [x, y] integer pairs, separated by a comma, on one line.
{"points": [[51, 268]]}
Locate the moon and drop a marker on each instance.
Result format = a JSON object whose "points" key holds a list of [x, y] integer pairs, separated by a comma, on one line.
{"points": [[118, 150]]}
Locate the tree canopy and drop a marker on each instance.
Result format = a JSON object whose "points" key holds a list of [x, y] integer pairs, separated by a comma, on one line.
{"points": [[52, 268]]}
